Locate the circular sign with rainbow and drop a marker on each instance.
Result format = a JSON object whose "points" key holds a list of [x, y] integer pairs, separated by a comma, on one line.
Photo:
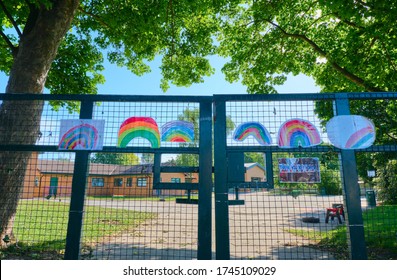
{"points": [[351, 132]]}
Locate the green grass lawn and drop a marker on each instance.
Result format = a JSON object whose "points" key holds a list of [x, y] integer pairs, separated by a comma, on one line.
{"points": [[380, 226], [40, 228]]}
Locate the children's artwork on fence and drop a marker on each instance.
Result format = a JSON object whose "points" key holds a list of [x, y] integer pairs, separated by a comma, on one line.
{"points": [[144, 127], [299, 170], [254, 129], [298, 133], [351, 132], [82, 134], [177, 131]]}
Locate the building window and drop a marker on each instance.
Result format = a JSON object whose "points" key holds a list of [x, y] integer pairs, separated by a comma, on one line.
{"points": [[141, 182], [129, 182], [118, 182], [97, 182], [256, 179], [175, 180]]}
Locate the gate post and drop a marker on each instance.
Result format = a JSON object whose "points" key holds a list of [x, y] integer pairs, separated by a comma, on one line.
{"points": [[79, 181], [204, 250], [355, 226], [221, 190]]}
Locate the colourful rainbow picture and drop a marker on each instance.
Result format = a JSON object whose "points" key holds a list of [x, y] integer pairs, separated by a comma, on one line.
{"points": [[298, 133], [254, 129], [134, 127], [351, 132], [177, 131], [81, 135]]}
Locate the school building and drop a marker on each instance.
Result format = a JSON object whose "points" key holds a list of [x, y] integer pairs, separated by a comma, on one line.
{"points": [[45, 177]]}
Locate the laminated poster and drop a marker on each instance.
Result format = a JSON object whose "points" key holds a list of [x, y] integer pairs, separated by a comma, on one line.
{"points": [[299, 170], [81, 134]]}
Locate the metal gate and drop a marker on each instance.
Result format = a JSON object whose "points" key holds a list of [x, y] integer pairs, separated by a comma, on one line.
{"points": [[258, 221], [108, 206]]}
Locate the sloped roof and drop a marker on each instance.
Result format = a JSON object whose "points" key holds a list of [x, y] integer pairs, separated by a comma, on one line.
{"points": [[252, 164]]}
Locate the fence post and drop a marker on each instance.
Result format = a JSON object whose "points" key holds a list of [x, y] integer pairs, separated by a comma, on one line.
{"points": [[269, 169], [221, 189], [355, 226], [76, 211], [205, 180]]}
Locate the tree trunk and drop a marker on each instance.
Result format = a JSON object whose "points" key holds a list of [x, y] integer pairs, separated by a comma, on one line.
{"points": [[20, 120]]}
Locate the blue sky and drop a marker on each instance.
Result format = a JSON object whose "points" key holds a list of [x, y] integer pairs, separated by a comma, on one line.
{"points": [[121, 81]]}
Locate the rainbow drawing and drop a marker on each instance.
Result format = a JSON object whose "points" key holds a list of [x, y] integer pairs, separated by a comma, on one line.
{"points": [[177, 131], [81, 135], [360, 137], [134, 127], [351, 132], [254, 129], [298, 133]]}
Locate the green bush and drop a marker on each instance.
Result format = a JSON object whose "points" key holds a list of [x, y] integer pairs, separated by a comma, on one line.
{"points": [[386, 183], [330, 183]]}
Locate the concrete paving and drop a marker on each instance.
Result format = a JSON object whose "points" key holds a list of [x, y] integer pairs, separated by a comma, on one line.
{"points": [[259, 229]]}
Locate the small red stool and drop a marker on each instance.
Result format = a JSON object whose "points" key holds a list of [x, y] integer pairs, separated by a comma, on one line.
{"points": [[334, 212]]}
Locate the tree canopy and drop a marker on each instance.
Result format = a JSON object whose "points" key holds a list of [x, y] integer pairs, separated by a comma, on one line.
{"points": [[346, 46], [115, 158], [130, 33]]}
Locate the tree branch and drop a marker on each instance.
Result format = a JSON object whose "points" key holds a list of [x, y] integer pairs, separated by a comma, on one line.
{"points": [[97, 18], [171, 8], [14, 49], [389, 58], [10, 18], [350, 76]]}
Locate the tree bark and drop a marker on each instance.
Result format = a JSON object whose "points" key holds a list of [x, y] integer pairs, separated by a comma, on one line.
{"points": [[20, 120]]}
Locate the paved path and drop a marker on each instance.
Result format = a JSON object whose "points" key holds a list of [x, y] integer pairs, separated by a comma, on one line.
{"points": [[258, 230]]}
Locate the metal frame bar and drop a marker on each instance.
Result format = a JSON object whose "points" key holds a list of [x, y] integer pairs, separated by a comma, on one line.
{"points": [[79, 182], [205, 183], [222, 241], [354, 221]]}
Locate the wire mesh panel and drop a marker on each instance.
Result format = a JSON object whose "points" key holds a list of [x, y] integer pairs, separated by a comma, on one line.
{"points": [[378, 195], [141, 228], [283, 221], [135, 220], [279, 191], [39, 180], [289, 221], [167, 121]]}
